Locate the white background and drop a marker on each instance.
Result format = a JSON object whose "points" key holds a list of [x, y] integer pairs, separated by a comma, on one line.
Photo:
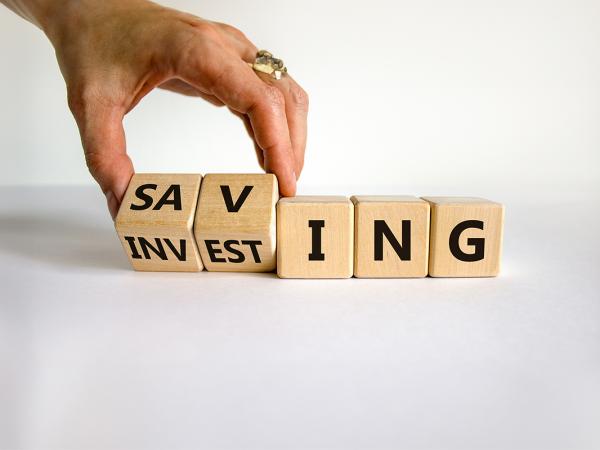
{"points": [[498, 99], [96, 356], [452, 96]]}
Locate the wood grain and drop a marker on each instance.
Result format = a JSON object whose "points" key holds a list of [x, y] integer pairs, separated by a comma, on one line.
{"points": [[400, 216], [235, 225], [458, 219], [295, 237], [155, 220]]}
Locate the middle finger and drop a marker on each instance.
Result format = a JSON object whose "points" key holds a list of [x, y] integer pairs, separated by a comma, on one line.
{"points": [[296, 111]]}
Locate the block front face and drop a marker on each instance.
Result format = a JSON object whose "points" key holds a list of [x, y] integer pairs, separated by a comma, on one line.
{"points": [[391, 236], [161, 250], [315, 237], [235, 225], [466, 237], [155, 222]]}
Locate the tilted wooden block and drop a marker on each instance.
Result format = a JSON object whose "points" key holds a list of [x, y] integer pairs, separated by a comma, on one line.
{"points": [[391, 236], [235, 222], [155, 222], [315, 237], [466, 237]]}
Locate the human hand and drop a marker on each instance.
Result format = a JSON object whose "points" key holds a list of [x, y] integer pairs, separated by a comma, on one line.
{"points": [[114, 52]]}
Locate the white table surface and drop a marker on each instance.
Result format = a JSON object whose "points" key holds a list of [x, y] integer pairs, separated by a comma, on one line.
{"points": [[94, 355]]}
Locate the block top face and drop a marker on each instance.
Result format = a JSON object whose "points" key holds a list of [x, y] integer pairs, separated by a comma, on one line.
{"points": [[386, 199], [237, 202], [460, 201], [159, 200], [312, 199]]}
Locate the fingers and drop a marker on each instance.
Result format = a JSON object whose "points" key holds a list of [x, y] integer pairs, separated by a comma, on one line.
{"points": [[296, 110], [296, 99], [269, 124], [234, 83], [181, 87], [103, 139]]}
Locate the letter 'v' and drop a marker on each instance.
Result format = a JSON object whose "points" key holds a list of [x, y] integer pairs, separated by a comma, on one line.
{"points": [[235, 207]]}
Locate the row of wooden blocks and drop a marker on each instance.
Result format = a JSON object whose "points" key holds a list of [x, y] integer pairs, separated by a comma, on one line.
{"points": [[238, 223]]}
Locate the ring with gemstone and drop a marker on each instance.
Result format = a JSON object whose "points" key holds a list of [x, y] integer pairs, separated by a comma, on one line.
{"points": [[266, 63]]}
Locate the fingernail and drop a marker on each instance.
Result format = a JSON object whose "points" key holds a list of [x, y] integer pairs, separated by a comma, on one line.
{"points": [[113, 204]]}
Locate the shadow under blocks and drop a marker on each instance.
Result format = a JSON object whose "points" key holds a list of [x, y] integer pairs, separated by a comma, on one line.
{"points": [[238, 223]]}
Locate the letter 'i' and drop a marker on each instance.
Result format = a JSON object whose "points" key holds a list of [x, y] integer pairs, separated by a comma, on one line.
{"points": [[316, 254], [314, 237], [238, 223], [155, 222]]}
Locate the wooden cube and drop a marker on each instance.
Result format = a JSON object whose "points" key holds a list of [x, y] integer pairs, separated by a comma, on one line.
{"points": [[315, 237], [466, 237], [391, 236], [235, 224], [155, 222]]}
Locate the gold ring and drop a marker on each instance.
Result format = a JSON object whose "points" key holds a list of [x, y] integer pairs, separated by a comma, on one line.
{"points": [[266, 63]]}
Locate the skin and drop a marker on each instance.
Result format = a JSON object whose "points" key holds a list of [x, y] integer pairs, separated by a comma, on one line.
{"points": [[114, 52]]}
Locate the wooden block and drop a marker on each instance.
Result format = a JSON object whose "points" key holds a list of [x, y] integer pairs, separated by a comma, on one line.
{"points": [[235, 224], [155, 222], [391, 236], [315, 237], [466, 237]]}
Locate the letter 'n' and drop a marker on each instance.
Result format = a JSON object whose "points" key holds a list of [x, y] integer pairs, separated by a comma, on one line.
{"points": [[382, 229]]}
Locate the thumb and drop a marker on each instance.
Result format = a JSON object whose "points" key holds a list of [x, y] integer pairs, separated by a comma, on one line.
{"points": [[103, 139]]}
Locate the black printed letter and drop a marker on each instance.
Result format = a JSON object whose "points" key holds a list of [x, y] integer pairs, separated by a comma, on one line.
{"points": [[175, 190], [478, 243], [253, 245], [235, 207], [134, 253], [139, 193], [180, 255], [159, 250], [381, 229], [212, 252], [316, 254], [229, 247]]}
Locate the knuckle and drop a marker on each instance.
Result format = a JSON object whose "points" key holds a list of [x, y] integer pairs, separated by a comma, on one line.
{"points": [[274, 97], [196, 47], [75, 99], [94, 162], [186, 45], [207, 30], [86, 98], [74, 103], [299, 97], [100, 164], [235, 32], [81, 97]]}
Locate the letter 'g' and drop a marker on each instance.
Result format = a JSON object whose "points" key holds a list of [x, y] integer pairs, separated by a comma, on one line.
{"points": [[478, 243]]}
